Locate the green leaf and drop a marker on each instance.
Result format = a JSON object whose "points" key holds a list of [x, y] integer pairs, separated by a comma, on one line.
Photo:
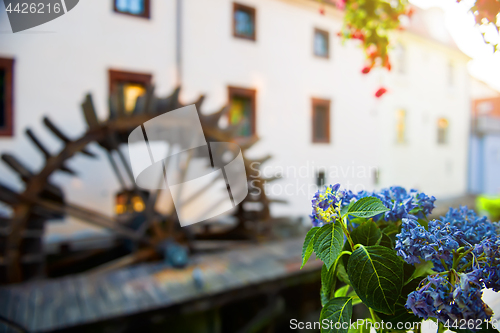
{"points": [[376, 274], [328, 281], [357, 221], [328, 242], [391, 230], [337, 310], [400, 313], [408, 271], [361, 326], [344, 209], [386, 241], [367, 207], [307, 248], [341, 272], [367, 234], [423, 269], [342, 292]]}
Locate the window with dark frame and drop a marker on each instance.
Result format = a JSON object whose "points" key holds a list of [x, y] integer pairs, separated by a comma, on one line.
{"points": [[320, 178], [320, 120], [139, 8], [6, 96], [244, 21], [321, 43], [242, 110], [133, 85]]}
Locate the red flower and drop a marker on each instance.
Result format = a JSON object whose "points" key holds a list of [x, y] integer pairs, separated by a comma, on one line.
{"points": [[380, 92], [366, 70], [358, 35]]}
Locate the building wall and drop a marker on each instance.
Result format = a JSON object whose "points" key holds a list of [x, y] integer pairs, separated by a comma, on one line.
{"points": [[59, 62], [281, 66], [54, 70]]}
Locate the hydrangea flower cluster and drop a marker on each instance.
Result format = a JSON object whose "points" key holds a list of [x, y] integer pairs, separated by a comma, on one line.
{"points": [[489, 249], [474, 228], [324, 205], [459, 228], [440, 299], [460, 244], [402, 203]]}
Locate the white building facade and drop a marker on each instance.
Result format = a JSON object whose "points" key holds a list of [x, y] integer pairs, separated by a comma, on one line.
{"points": [[312, 110]]}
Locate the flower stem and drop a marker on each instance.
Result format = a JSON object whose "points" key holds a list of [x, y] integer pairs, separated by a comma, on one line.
{"points": [[374, 317], [444, 264], [346, 232], [457, 261]]}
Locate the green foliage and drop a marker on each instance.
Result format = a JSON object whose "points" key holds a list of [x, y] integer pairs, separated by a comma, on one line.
{"points": [[342, 292], [367, 207], [371, 22], [400, 312], [366, 263], [367, 234], [386, 241], [337, 310], [376, 274], [328, 282], [327, 243], [364, 327], [307, 248]]}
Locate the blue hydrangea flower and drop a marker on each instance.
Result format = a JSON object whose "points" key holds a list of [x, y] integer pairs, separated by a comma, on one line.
{"points": [[474, 228], [439, 299], [414, 243], [486, 259], [402, 203], [325, 203], [459, 228]]}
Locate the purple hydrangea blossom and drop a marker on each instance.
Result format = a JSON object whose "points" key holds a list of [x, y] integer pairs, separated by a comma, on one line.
{"points": [[474, 228], [402, 203], [414, 243], [325, 203], [459, 228], [438, 298], [486, 259]]}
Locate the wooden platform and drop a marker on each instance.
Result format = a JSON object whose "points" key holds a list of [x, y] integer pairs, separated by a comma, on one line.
{"points": [[63, 303]]}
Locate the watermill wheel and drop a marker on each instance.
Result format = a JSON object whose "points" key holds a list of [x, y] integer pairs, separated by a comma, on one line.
{"points": [[21, 235]]}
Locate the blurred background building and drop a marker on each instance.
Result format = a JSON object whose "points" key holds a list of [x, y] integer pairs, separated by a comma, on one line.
{"points": [[288, 80], [281, 67]]}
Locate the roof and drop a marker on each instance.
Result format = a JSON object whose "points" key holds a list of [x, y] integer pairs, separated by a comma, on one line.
{"points": [[430, 24]]}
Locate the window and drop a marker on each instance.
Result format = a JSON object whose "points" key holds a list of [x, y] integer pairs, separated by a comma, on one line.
{"points": [[401, 126], [442, 134], [243, 21], [321, 43], [6, 96], [138, 8], [133, 85], [320, 178], [242, 110], [320, 120]]}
